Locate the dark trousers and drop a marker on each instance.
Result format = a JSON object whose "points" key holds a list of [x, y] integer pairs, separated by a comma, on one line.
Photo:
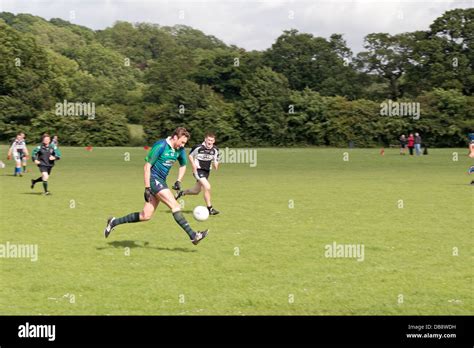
{"points": [[411, 150]]}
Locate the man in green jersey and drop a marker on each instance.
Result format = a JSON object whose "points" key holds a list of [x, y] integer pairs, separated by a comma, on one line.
{"points": [[163, 154]]}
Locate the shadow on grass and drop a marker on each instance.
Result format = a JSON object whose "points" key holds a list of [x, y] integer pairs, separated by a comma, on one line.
{"points": [[133, 244], [169, 211], [32, 193], [13, 175]]}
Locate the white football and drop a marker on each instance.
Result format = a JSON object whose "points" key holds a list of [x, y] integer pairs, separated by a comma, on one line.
{"points": [[2, 165], [201, 213]]}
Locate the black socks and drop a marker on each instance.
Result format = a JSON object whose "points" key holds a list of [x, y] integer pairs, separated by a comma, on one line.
{"points": [[133, 217], [178, 216]]}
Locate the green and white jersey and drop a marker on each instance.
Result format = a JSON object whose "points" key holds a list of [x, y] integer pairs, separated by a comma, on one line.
{"points": [[162, 157]]}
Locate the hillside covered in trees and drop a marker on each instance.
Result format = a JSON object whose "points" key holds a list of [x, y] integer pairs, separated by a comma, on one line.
{"points": [[304, 90]]}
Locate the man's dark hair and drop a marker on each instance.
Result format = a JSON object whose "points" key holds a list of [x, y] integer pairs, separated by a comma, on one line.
{"points": [[181, 131]]}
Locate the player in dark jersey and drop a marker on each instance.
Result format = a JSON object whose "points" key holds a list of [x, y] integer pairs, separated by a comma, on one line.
{"points": [[160, 159], [44, 156], [202, 157]]}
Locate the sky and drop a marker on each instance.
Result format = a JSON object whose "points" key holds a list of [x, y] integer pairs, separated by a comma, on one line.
{"points": [[251, 24]]}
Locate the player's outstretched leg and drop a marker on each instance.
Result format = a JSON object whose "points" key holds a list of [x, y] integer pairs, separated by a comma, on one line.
{"points": [[39, 179], [167, 197], [192, 191], [34, 181], [144, 215]]}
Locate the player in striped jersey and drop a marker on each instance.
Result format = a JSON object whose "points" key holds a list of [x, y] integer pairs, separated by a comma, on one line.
{"points": [[202, 157], [19, 152]]}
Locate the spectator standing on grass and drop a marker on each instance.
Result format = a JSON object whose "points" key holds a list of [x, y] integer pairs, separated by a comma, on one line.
{"points": [[411, 143], [403, 144], [418, 144]]}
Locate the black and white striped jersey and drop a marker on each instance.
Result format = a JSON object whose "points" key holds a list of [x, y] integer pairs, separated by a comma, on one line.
{"points": [[18, 147], [203, 157]]}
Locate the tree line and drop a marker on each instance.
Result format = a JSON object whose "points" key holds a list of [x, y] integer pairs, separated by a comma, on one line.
{"points": [[302, 91]]}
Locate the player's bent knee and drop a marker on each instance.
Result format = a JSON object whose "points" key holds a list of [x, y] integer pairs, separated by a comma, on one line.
{"points": [[145, 216], [175, 207]]}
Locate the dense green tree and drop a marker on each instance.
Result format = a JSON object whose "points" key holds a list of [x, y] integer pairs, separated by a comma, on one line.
{"points": [[264, 108], [192, 38], [314, 62], [446, 117], [105, 128], [27, 84], [304, 90], [386, 56], [225, 70]]}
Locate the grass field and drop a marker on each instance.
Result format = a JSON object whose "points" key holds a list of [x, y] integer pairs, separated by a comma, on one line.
{"points": [[279, 215]]}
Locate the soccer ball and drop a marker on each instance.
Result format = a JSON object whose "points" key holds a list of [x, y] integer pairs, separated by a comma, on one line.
{"points": [[201, 213]]}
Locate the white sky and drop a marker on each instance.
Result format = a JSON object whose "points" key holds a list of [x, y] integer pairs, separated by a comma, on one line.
{"points": [[251, 24]]}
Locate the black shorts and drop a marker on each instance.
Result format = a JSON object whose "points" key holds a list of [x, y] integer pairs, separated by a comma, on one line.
{"points": [[46, 169], [203, 173], [156, 185]]}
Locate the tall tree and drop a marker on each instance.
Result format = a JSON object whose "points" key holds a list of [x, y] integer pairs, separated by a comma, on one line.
{"points": [[314, 62], [264, 108], [387, 57]]}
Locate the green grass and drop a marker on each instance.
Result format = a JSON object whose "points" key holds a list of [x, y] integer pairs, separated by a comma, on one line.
{"points": [[408, 251]]}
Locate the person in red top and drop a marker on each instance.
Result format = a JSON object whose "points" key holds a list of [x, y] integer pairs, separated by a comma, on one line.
{"points": [[411, 143]]}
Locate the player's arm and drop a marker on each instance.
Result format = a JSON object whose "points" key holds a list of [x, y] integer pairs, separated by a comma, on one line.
{"points": [[182, 169], [10, 151], [34, 155], [57, 154], [191, 156], [215, 162], [146, 179], [151, 158], [181, 172], [191, 160], [146, 174]]}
